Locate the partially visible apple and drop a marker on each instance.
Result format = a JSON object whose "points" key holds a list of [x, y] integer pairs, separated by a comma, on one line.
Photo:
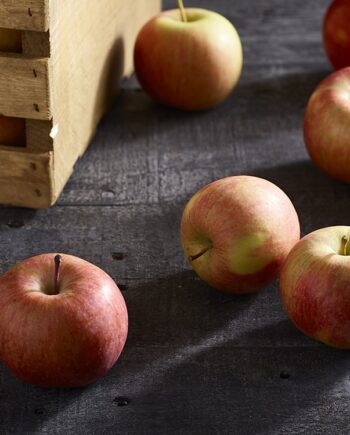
{"points": [[336, 33], [188, 58], [12, 131], [237, 232], [63, 321], [10, 40], [327, 125], [315, 286]]}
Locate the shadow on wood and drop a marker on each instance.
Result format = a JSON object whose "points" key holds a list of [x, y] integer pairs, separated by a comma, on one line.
{"points": [[319, 200]]}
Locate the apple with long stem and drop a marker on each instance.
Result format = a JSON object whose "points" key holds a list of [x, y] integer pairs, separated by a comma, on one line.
{"points": [[315, 286], [188, 58], [63, 321], [237, 232]]}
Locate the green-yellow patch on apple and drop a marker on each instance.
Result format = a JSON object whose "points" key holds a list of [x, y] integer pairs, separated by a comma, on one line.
{"points": [[245, 258]]}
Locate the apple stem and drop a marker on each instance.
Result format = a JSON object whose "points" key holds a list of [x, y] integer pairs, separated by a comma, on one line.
{"points": [[182, 11], [194, 257], [58, 261], [344, 245]]}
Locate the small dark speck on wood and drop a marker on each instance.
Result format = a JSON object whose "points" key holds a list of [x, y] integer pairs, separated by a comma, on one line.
{"points": [[15, 224], [118, 256], [284, 375], [121, 401], [30, 13], [39, 411]]}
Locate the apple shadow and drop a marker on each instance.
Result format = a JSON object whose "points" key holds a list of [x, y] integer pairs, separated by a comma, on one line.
{"points": [[185, 299], [182, 307], [319, 200], [249, 383], [281, 92], [194, 356], [139, 127]]}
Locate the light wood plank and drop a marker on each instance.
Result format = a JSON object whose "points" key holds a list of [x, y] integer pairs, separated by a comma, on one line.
{"points": [[24, 14], [25, 178], [24, 87], [36, 44], [88, 61]]}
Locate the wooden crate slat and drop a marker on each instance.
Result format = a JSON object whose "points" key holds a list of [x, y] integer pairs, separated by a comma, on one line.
{"points": [[74, 55], [25, 178], [36, 44], [24, 87], [38, 135], [24, 14], [87, 61]]}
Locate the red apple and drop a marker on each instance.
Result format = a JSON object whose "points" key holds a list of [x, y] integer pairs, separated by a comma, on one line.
{"points": [[190, 61], [336, 33], [60, 326], [12, 131], [327, 126], [237, 232], [10, 40], [315, 286]]}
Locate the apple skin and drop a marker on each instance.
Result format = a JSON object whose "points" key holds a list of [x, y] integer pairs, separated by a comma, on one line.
{"points": [[245, 227], [336, 33], [12, 131], [69, 339], [190, 65], [10, 40], [327, 127], [315, 286]]}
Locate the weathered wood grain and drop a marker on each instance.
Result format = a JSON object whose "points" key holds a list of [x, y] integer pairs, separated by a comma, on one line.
{"points": [[25, 176], [24, 87], [38, 136], [88, 62], [24, 14], [196, 361], [207, 390]]}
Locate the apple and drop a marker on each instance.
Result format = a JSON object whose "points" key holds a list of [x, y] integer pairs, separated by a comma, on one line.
{"points": [[327, 126], [237, 232], [315, 286], [336, 33], [63, 321], [189, 59], [10, 40], [12, 131]]}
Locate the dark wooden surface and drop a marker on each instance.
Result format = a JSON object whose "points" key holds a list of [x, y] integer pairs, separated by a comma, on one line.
{"points": [[196, 361]]}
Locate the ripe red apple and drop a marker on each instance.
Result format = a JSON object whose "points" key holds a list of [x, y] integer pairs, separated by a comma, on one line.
{"points": [[60, 325], [327, 126], [336, 33], [12, 131], [10, 40], [315, 286], [188, 58], [237, 232]]}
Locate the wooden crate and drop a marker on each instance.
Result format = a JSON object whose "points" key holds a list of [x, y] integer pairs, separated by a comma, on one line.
{"points": [[74, 54]]}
